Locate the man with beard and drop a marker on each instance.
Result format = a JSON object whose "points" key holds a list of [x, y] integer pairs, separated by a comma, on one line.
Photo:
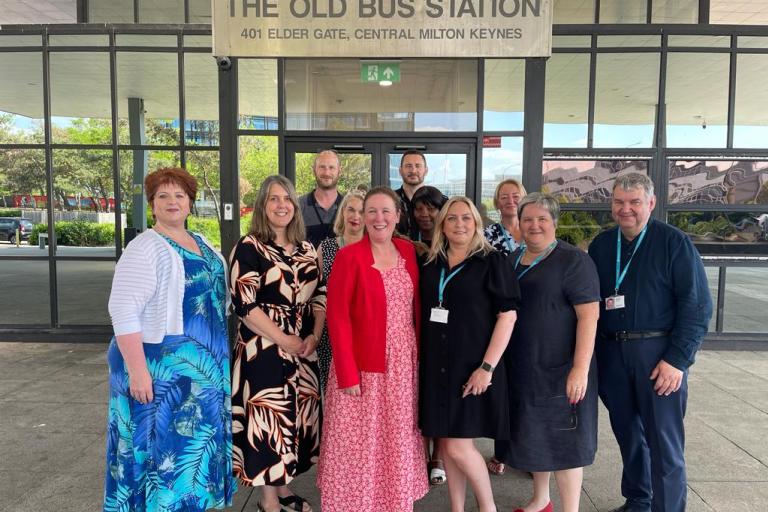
{"points": [[413, 170], [318, 207]]}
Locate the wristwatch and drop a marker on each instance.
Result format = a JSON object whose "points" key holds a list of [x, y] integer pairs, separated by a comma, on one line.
{"points": [[487, 367]]}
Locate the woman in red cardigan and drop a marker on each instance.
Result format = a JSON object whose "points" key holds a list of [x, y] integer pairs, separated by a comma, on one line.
{"points": [[371, 454]]}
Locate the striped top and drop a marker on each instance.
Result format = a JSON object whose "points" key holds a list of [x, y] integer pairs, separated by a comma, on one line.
{"points": [[148, 288]]}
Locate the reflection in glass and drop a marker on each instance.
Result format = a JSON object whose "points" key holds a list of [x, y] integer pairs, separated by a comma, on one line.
{"points": [[718, 182], [257, 160], [745, 300], [727, 12], [257, 83], [625, 41], [21, 98], [625, 101], [200, 12], [574, 11], [201, 93], [623, 11], [110, 11], [586, 181], [204, 166], [750, 114], [356, 171], [167, 11], [571, 41], [753, 42], [23, 201], [432, 95], [579, 228], [697, 99], [157, 40], [499, 164], [152, 78], [80, 98], [446, 171], [31, 40], [84, 202], [725, 232], [700, 41], [504, 92], [675, 11], [566, 101], [83, 290], [78, 40], [25, 297], [713, 274]]}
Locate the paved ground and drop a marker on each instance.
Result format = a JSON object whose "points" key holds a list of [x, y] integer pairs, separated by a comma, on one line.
{"points": [[52, 418]]}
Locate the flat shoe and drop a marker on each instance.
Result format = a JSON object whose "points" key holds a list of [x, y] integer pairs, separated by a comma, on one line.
{"points": [[294, 503], [437, 474], [496, 467]]}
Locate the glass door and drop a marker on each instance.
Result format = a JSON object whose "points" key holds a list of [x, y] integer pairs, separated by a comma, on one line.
{"points": [[357, 161], [449, 166]]}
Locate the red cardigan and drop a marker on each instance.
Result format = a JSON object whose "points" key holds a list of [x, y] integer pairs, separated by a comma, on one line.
{"points": [[357, 309]]}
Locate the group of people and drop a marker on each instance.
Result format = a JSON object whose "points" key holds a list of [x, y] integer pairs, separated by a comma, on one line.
{"points": [[403, 327]]}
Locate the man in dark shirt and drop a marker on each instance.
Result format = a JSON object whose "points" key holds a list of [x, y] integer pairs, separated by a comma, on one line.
{"points": [[653, 317], [319, 206], [413, 171]]}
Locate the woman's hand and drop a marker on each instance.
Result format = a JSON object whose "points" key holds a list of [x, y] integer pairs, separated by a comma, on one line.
{"points": [[352, 390], [140, 382], [292, 344], [478, 383], [310, 344], [576, 385]]}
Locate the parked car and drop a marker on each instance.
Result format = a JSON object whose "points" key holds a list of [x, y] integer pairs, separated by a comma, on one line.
{"points": [[9, 225]]}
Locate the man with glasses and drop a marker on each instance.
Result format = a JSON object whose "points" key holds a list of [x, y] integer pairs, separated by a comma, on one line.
{"points": [[413, 170], [319, 207], [653, 317]]}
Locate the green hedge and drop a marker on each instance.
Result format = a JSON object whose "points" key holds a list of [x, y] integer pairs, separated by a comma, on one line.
{"points": [[10, 212], [78, 233]]}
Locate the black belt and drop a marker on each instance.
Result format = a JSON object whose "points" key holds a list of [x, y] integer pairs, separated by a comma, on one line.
{"points": [[634, 335]]}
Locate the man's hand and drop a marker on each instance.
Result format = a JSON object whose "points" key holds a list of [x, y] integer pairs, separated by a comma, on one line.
{"points": [[668, 378]]}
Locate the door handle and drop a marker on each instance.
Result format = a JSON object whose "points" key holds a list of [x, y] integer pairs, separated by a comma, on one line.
{"points": [[348, 147]]}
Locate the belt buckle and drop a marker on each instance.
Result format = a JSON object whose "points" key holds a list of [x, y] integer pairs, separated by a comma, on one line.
{"points": [[622, 335]]}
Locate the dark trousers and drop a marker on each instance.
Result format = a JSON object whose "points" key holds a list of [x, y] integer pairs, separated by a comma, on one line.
{"points": [[648, 427]]}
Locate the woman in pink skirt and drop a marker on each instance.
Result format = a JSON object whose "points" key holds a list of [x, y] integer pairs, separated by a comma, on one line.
{"points": [[371, 453]]}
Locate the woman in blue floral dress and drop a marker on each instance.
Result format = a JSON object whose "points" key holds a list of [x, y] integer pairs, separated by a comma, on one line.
{"points": [[169, 432]]}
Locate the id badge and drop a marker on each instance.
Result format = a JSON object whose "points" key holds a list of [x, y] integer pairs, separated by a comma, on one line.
{"points": [[439, 315], [614, 302]]}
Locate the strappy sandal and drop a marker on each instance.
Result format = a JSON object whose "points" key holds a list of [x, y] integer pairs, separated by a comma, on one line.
{"points": [[294, 503], [437, 474], [496, 467]]}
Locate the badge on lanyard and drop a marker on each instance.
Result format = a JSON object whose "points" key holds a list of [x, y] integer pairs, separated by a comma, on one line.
{"points": [[440, 314], [616, 301]]}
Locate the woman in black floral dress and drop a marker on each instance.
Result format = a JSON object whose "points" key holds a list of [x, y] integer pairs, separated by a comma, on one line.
{"points": [[505, 235], [279, 298], [349, 229]]}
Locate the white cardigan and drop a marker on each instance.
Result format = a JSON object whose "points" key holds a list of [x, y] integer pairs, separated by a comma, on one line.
{"points": [[148, 288]]}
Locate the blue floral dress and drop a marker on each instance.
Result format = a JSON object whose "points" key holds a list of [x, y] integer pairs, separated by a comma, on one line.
{"points": [[175, 453]]}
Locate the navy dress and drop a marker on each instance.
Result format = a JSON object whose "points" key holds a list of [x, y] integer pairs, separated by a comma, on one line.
{"points": [[175, 453], [548, 434], [449, 353]]}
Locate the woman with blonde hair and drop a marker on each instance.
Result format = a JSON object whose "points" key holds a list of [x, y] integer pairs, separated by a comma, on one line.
{"points": [[279, 298], [505, 235], [469, 295], [349, 229]]}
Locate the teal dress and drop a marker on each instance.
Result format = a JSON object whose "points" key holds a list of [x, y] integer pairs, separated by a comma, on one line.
{"points": [[175, 453]]}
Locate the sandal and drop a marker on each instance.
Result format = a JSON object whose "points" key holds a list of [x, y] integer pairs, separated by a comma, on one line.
{"points": [[260, 508], [437, 474], [294, 503], [496, 467]]}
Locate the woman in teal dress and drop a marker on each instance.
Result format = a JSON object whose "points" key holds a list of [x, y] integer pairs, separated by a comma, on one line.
{"points": [[169, 434]]}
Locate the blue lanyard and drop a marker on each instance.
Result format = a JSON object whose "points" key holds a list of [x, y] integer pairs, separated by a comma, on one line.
{"points": [[444, 282], [620, 276], [536, 261], [507, 238]]}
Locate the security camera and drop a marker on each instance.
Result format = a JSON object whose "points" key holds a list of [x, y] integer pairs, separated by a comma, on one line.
{"points": [[224, 63]]}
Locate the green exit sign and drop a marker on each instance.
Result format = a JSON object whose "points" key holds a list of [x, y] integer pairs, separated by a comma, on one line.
{"points": [[379, 71]]}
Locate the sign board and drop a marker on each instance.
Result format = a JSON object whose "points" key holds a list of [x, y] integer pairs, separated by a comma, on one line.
{"points": [[378, 71], [382, 28], [491, 141]]}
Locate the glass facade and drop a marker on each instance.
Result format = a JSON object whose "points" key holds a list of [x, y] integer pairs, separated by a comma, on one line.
{"points": [[87, 112]]}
